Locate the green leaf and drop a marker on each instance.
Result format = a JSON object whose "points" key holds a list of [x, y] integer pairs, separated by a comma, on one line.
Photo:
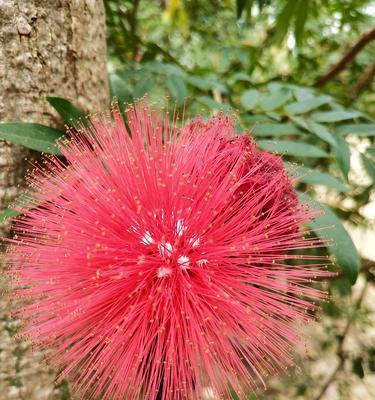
{"points": [[371, 151], [177, 88], [143, 86], [275, 116], [283, 20], [369, 167], [24, 200], [314, 177], [70, 114], [119, 89], [335, 116], [239, 76], [303, 93], [292, 148], [300, 121], [342, 152], [205, 84], [163, 68], [274, 100], [212, 104], [300, 20], [256, 118], [240, 6], [306, 105], [275, 86], [249, 99], [324, 179], [357, 129], [343, 248], [270, 129], [34, 136], [322, 132], [8, 213]]}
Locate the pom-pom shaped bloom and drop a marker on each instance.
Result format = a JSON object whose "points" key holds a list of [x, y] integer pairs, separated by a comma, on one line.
{"points": [[158, 262]]}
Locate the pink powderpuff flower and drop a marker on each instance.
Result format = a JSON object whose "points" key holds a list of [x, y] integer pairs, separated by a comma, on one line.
{"points": [[157, 262]]}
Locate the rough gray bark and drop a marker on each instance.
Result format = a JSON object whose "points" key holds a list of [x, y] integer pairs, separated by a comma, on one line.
{"points": [[47, 48]]}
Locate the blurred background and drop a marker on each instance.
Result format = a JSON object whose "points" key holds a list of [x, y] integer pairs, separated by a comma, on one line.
{"points": [[299, 75]]}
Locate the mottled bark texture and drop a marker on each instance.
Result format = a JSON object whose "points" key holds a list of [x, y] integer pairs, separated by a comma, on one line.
{"points": [[47, 48]]}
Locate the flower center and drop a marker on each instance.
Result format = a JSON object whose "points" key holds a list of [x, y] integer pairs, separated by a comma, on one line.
{"points": [[182, 255]]}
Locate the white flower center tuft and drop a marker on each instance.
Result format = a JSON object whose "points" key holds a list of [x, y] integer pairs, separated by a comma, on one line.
{"points": [[194, 241], [180, 227], [169, 253], [163, 272], [147, 238], [183, 262], [165, 249], [202, 263]]}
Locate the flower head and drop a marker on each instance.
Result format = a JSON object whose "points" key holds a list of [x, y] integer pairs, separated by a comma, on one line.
{"points": [[159, 263]]}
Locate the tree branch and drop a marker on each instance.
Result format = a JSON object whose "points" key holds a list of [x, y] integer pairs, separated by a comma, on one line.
{"points": [[350, 54], [365, 79]]}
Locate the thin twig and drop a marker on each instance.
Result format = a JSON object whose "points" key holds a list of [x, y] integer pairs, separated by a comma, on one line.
{"points": [[350, 54]]}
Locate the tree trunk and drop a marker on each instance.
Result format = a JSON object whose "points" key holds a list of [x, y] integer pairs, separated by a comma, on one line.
{"points": [[47, 48]]}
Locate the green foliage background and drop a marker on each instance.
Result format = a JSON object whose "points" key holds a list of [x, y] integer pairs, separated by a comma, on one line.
{"points": [[263, 60]]}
